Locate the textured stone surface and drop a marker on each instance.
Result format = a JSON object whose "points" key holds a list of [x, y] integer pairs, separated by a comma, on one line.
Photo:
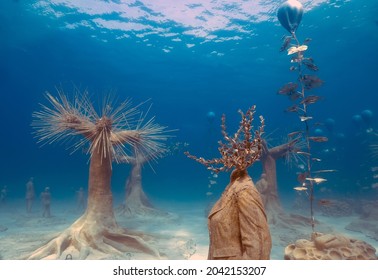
{"points": [[330, 247], [238, 224]]}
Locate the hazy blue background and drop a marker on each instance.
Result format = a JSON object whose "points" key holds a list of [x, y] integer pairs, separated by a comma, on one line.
{"points": [[189, 59]]}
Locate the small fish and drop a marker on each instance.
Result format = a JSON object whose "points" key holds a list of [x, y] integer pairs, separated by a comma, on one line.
{"points": [[300, 188], [324, 202], [293, 50], [307, 40], [212, 182], [318, 138], [304, 118], [317, 180], [311, 99], [316, 159], [209, 193], [318, 124]]}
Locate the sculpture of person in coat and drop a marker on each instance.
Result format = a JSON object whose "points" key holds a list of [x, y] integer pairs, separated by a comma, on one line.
{"points": [[238, 227]]}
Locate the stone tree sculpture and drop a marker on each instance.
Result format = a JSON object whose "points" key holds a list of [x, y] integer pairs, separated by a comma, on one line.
{"points": [[267, 185], [136, 202], [238, 226], [96, 233]]}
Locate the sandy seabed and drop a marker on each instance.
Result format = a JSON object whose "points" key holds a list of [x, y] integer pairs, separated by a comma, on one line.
{"points": [[182, 236]]}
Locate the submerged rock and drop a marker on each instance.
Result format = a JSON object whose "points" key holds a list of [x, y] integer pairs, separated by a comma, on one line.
{"points": [[330, 247]]}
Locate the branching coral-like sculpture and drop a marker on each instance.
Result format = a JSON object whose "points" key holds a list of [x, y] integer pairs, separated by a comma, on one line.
{"points": [[237, 222], [239, 151], [96, 233], [290, 14]]}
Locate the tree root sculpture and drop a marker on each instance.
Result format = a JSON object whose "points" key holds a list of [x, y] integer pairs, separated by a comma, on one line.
{"points": [[85, 240]]}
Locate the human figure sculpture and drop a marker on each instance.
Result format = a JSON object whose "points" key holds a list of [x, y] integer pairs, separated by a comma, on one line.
{"points": [[80, 199], [3, 195], [30, 194], [46, 202], [237, 223]]}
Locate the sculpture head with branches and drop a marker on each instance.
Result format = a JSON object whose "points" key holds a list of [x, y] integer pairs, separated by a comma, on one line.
{"points": [[240, 150]]}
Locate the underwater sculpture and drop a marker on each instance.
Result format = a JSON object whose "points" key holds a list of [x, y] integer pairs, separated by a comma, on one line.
{"points": [[3, 195], [238, 227], [136, 201], [267, 185], [367, 117], [320, 246], [46, 202], [30, 195], [290, 15], [80, 199], [297, 93], [330, 247], [96, 233]]}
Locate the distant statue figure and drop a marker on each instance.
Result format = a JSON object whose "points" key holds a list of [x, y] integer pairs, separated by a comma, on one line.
{"points": [[46, 202], [3, 195], [80, 199], [30, 195]]}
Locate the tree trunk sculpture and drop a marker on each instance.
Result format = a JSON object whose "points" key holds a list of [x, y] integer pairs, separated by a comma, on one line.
{"points": [[267, 185], [96, 233], [136, 201]]}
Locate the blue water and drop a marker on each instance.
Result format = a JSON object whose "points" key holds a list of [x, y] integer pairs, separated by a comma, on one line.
{"points": [[187, 69]]}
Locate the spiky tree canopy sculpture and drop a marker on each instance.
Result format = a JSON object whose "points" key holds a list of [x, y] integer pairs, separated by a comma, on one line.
{"points": [[96, 233], [239, 151]]}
